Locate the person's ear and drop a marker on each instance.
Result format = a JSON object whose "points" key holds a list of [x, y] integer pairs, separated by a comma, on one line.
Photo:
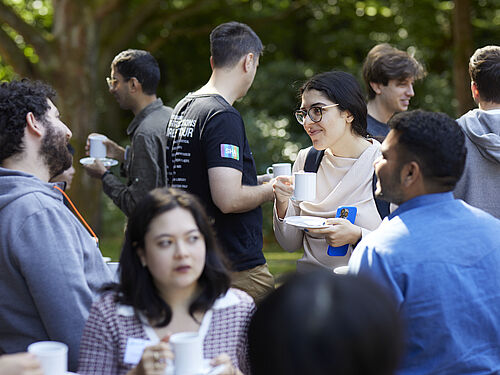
{"points": [[134, 84], [33, 125], [142, 256], [349, 118], [376, 87], [410, 173], [474, 90], [249, 62]]}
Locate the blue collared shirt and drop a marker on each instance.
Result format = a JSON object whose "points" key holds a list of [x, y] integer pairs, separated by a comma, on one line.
{"points": [[440, 260]]}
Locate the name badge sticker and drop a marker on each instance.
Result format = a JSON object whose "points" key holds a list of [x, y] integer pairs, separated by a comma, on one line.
{"points": [[229, 151], [134, 349]]}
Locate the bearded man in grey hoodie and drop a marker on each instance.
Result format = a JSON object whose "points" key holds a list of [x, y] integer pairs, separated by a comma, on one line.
{"points": [[51, 268], [480, 182]]}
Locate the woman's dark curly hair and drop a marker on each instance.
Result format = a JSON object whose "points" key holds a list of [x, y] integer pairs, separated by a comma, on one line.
{"points": [[136, 287], [17, 99]]}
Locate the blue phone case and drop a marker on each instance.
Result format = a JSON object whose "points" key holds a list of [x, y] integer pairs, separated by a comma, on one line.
{"points": [[349, 213]]}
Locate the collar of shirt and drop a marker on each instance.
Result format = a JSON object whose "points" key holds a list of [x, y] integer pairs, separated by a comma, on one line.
{"points": [[225, 301], [158, 103], [421, 200]]}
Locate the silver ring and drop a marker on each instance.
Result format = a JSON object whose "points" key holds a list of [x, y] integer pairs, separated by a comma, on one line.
{"points": [[156, 356]]}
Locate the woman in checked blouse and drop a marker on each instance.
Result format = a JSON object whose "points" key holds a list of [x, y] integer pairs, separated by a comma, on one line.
{"points": [[172, 279]]}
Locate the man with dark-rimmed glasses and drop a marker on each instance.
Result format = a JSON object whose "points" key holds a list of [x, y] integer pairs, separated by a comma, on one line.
{"points": [[135, 75]]}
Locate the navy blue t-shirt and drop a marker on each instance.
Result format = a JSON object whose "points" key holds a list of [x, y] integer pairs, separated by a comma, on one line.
{"points": [[204, 132], [376, 129]]}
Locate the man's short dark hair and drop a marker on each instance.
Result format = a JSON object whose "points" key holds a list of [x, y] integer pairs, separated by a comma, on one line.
{"points": [[435, 141], [230, 41], [384, 63], [484, 70], [17, 99], [141, 65]]}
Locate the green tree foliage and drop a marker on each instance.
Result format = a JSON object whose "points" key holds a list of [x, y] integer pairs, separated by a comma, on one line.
{"points": [[70, 44]]}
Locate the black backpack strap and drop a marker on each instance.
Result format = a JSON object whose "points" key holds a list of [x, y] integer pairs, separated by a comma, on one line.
{"points": [[382, 206], [313, 159]]}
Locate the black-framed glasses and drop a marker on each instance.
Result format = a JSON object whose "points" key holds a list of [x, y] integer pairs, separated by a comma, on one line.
{"points": [[315, 113], [111, 82]]}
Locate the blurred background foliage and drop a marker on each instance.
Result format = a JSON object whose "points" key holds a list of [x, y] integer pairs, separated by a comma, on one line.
{"points": [[70, 45]]}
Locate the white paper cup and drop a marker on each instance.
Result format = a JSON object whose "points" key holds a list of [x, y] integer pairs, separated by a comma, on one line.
{"points": [[53, 356], [188, 353], [304, 186], [342, 270], [97, 147], [280, 169]]}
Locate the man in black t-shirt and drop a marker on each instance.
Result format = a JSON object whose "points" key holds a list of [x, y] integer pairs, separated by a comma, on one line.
{"points": [[208, 155]]}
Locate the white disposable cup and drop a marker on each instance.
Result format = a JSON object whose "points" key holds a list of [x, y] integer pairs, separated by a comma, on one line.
{"points": [[342, 270], [52, 355], [304, 186], [188, 353], [97, 147], [280, 169]]}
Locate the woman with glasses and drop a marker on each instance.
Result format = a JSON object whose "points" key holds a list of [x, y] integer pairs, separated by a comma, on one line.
{"points": [[333, 113], [172, 279]]}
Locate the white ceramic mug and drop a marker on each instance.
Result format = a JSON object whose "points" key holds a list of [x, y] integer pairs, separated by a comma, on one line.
{"points": [[304, 186], [52, 355], [97, 147], [280, 169], [188, 353]]}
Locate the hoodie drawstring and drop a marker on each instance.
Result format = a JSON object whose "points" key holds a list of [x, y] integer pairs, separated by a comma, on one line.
{"points": [[78, 214]]}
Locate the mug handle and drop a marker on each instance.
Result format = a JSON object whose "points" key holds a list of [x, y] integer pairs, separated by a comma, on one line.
{"points": [[269, 170]]}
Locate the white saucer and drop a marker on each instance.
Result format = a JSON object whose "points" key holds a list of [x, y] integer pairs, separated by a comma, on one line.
{"points": [[307, 222], [206, 370], [106, 161]]}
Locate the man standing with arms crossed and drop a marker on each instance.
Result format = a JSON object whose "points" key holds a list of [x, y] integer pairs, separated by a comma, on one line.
{"points": [[389, 74], [208, 155], [135, 75], [480, 182]]}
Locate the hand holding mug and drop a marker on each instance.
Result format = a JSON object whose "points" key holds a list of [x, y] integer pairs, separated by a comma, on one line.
{"points": [[20, 364], [283, 191], [113, 150], [229, 368], [283, 188], [154, 359]]}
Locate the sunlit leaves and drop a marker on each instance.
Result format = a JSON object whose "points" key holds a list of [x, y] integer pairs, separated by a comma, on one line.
{"points": [[35, 12]]}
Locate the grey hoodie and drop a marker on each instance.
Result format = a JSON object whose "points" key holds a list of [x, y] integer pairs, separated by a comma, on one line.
{"points": [[480, 182], [50, 266]]}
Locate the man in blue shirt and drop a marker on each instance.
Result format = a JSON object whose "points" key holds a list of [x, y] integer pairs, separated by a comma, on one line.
{"points": [[437, 256]]}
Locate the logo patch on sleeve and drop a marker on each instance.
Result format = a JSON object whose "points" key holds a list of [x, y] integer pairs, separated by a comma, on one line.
{"points": [[230, 151]]}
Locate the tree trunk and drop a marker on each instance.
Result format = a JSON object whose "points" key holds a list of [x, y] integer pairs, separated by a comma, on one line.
{"points": [[75, 35], [462, 43]]}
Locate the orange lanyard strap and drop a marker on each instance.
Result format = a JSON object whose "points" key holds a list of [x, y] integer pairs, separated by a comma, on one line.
{"points": [[78, 214]]}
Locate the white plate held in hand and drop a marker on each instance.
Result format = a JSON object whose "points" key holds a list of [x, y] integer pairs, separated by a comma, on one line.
{"points": [[105, 161], [307, 222]]}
